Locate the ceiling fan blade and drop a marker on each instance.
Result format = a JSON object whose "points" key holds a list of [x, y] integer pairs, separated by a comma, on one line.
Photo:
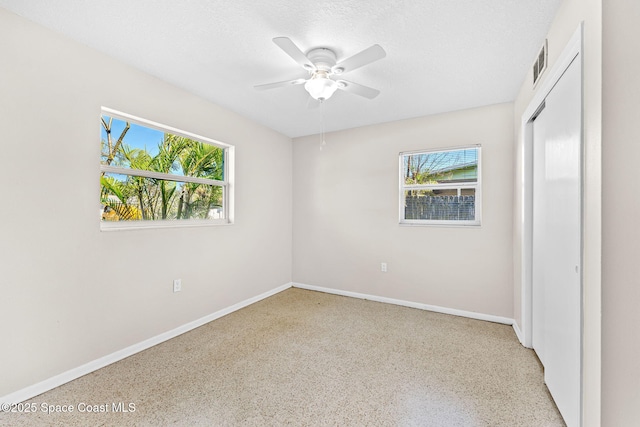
{"points": [[361, 59], [280, 84], [358, 89], [294, 52]]}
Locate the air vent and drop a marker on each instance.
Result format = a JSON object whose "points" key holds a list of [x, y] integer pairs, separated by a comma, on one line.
{"points": [[541, 64]]}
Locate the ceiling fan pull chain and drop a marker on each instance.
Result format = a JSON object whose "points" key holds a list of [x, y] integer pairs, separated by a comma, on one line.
{"points": [[323, 143]]}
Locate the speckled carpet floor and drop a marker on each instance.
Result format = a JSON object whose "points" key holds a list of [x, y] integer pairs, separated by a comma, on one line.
{"points": [[308, 358]]}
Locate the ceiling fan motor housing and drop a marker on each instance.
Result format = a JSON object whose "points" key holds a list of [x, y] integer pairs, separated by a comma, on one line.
{"points": [[324, 59]]}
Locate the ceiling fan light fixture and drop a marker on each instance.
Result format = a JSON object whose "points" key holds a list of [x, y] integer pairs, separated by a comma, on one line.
{"points": [[321, 87]]}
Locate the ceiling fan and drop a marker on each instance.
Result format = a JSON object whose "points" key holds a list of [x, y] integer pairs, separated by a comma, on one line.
{"points": [[321, 63]]}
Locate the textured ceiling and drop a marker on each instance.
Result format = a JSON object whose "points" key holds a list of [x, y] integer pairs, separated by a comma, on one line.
{"points": [[442, 55]]}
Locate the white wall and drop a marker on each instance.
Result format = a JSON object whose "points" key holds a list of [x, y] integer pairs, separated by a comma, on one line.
{"points": [[72, 294], [569, 16], [346, 215], [620, 215]]}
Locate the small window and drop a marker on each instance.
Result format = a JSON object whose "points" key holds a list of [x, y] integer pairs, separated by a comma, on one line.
{"points": [[441, 187], [156, 176]]}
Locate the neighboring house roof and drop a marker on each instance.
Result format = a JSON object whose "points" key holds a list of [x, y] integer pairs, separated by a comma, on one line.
{"points": [[456, 167]]}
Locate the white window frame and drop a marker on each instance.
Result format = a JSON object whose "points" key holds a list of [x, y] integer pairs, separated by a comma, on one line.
{"points": [[477, 186], [226, 184]]}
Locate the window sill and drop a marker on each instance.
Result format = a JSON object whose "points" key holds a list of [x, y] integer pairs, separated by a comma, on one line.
{"points": [[125, 226], [455, 224]]}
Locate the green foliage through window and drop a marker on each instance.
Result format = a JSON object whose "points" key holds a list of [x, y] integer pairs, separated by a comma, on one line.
{"points": [[147, 174]]}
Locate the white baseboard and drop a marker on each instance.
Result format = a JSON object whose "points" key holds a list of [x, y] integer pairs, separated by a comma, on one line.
{"points": [[72, 374], [435, 308], [518, 332]]}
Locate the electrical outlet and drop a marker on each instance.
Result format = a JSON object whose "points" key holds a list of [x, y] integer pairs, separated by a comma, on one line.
{"points": [[177, 285], [383, 267]]}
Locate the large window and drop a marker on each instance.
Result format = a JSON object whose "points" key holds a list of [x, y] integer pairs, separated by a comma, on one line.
{"points": [[156, 176], [441, 187]]}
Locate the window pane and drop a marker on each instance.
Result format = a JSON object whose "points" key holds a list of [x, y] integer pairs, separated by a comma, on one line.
{"points": [[133, 146], [132, 198], [428, 205], [441, 167]]}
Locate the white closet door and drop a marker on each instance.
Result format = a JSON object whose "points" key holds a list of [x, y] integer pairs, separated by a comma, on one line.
{"points": [[557, 242], [540, 239]]}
